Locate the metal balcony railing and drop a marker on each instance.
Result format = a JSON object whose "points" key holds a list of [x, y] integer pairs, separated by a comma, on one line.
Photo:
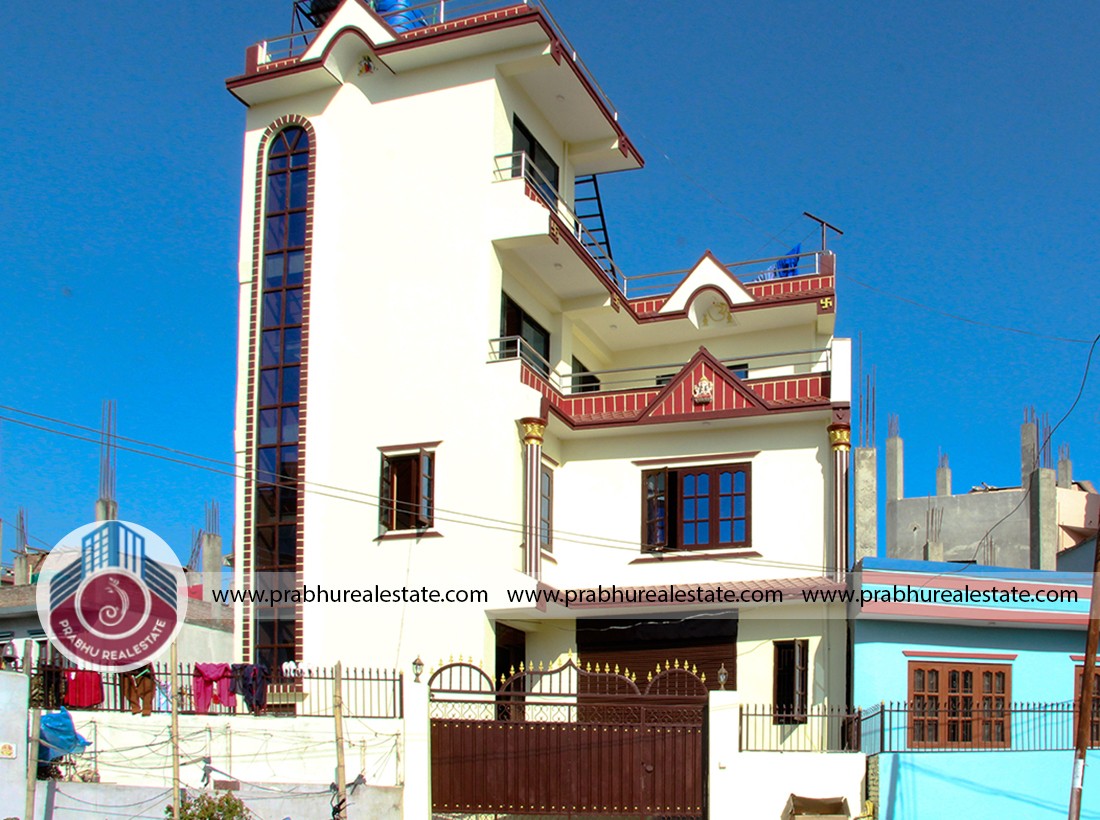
{"points": [[413, 17], [649, 285], [518, 165], [766, 365]]}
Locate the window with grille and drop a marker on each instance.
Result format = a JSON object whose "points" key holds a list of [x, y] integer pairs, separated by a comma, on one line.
{"points": [[959, 705], [1094, 728]]}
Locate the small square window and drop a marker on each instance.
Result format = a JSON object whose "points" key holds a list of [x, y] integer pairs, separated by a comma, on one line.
{"points": [[407, 493]]}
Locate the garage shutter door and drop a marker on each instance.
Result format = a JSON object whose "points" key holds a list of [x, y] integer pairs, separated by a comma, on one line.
{"points": [[640, 645]]}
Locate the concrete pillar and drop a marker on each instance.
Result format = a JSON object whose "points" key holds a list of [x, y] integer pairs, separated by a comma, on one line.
{"points": [[106, 509], [895, 472], [943, 480], [1043, 509], [1065, 473], [532, 430], [21, 573], [1029, 451], [211, 565], [933, 551], [417, 760], [840, 439], [866, 503], [895, 488]]}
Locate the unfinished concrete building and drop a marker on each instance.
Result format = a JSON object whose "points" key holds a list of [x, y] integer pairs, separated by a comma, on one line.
{"points": [[1046, 522]]}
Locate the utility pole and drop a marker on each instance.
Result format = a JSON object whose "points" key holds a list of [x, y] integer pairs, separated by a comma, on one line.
{"points": [[1084, 706], [173, 694], [32, 747], [338, 713]]}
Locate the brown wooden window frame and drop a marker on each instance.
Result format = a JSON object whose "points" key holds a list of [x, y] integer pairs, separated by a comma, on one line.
{"points": [[1094, 730], [948, 712], [664, 508], [546, 507], [790, 681], [414, 509], [276, 552]]}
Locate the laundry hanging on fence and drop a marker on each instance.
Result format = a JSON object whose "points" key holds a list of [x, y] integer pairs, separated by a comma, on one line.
{"points": [[213, 683], [136, 688], [250, 681], [83, 688]]}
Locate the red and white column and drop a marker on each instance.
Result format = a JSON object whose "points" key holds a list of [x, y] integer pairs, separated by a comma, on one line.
{"points": [[840, 440], [532, 431]]}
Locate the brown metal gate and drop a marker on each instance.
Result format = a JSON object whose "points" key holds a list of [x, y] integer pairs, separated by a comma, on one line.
{"points": [[568, 742]]}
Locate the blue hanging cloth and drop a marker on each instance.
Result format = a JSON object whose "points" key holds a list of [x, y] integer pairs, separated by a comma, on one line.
{"points": [[58, 737], [788, 265]]}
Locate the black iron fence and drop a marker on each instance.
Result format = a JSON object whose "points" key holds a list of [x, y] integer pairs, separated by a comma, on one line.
{"points": [[817, 728], [1019, 726], [308, 692]]}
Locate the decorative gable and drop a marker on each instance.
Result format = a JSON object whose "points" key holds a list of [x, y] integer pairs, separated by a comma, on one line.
{"points": [[707, 293], [705, 385]]}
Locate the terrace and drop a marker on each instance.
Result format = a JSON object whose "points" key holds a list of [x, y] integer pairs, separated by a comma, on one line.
{"points": [[408, 21], [788, 380]]}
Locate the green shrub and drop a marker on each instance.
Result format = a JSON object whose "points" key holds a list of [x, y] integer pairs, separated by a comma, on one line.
{"points": [[209, 807]]}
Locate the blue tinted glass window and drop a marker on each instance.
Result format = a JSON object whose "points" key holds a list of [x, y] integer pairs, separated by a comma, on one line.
{"points": [[269, 431], [294, 307], [276, 193], [724, 530], [269, 381], [298, 182], [290, 424], [266, 465], [269, 353], [275, 233], [273, 309], [292, 344], [273, 270], [290, 385], [725, 481], [295, 266], [296, 237]]}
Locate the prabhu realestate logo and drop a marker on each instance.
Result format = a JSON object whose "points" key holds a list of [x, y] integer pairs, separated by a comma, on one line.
{"points": [[111, 596]]}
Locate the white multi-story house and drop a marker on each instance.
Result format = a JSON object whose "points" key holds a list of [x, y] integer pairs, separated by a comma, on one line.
{"points": [[446, 382]]}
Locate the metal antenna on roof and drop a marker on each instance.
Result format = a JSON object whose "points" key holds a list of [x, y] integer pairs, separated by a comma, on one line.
{"points": [[825, 226]]}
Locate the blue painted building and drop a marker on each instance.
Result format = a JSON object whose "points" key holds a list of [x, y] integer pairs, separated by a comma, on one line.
{"points": [[966, 677]]}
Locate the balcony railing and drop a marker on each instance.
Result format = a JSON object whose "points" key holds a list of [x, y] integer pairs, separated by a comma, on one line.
{"points": [[1015, 727], [819, 729], [518, 165], [410, 18], [367, 693], [753, 271], [654, 376]]}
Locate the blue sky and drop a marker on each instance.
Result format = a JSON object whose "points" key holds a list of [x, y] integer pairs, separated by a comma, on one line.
{"points": [[954, 143]]}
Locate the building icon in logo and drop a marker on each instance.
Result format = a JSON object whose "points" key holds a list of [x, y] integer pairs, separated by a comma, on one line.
{"points": [[115, 603]]}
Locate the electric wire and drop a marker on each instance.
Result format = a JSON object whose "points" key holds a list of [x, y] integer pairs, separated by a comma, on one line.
{"points": [[371, 500]]}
